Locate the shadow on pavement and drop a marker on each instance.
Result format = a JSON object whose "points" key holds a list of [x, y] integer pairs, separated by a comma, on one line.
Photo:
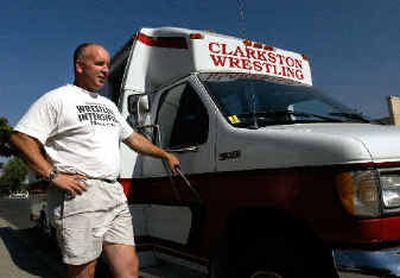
{"points": [[33, 252], [37, 253]]}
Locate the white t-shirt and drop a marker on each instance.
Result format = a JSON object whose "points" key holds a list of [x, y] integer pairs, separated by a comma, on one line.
{"points": [[80, 130]]}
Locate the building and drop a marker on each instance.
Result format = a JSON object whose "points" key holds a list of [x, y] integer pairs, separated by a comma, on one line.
{"points": [[394, 109]]}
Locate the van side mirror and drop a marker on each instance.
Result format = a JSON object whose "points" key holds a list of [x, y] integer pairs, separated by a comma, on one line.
{"points": [[138, 108], [139, 118]]}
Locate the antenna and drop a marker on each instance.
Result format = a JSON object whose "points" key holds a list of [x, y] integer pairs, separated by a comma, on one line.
{"points": [[242, 19]]}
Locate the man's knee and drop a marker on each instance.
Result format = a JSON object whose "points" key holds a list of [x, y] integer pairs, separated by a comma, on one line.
{"points": [[123, 260], [82, 271], [131, 267], [135, 266]]}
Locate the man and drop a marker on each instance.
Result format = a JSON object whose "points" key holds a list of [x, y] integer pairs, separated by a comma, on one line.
{"points": [[80, 132]]}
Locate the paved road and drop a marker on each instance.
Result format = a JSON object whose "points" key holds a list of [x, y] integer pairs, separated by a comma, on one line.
{"points": [[16, 212], [20, 258], [25, 252]]}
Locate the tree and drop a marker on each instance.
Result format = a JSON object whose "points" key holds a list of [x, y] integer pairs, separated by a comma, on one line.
{"points": [[5, 133], [15, 172]]}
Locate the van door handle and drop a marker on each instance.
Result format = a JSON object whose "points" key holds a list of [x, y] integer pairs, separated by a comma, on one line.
{"points": [[192, 149]]}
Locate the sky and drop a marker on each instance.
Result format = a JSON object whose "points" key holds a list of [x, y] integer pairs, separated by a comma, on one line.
{"points": [[353, 45]]}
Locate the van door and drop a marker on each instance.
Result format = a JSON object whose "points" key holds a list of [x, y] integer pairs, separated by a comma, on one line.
{"points": [[185, 129], [173, 212]]}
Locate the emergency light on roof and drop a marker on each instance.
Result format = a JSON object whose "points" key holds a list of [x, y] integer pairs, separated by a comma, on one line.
{"points": [[170, 42], [196, 36], [268, 47], [305, 57], [249, 43]]}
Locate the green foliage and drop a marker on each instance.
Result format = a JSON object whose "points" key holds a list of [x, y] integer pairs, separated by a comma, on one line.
{"points": [[14, 173], [5, 133]]}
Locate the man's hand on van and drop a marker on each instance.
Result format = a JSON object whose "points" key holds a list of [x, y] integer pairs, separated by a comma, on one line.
{"points": [[141, 144], [173, 163]]}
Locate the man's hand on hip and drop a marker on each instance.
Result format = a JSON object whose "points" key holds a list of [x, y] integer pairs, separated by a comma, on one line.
{"points": [[72, 184]]}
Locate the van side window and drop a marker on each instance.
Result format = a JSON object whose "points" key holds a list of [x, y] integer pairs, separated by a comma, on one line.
{"points": [[182, 117]]}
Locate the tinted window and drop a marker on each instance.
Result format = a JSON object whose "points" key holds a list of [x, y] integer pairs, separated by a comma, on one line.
{"points": [[250, 102], [182, 117]]}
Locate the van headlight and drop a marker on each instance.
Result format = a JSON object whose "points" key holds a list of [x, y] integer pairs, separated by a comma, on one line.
{"points": [[359, 192], [390, 191]]}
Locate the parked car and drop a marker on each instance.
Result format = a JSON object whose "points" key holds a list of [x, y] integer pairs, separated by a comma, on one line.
{"points": [[19, 195]]}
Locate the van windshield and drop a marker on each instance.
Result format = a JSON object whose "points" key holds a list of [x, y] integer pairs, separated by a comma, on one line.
{"points": [[251, 101]]}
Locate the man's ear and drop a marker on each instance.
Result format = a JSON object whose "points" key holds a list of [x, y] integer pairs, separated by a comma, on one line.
{"points": [[78, 66]]}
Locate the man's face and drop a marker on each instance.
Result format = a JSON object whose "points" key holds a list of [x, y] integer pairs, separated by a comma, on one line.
{"points": [[92, 68]]}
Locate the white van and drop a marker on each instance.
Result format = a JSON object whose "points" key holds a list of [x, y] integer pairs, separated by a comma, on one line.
{"points": [[279, 178]]}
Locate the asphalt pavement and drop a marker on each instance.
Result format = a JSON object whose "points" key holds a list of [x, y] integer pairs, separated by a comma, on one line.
{"points": [[26, 252], [9, 259], [24, 255]]}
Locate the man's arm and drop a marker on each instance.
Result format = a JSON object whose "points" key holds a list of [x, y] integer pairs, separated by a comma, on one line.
{"points": [[139, 143], [30, 149]]}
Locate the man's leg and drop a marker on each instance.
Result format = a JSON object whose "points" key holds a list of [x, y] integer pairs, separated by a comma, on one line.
{"points": [[122, 259], [82, 271]]}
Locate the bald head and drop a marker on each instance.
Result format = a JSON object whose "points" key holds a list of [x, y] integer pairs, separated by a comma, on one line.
{"points": [[91, 64]]}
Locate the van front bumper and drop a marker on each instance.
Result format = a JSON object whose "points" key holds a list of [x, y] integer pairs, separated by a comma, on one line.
{"points": [[384, 262]]}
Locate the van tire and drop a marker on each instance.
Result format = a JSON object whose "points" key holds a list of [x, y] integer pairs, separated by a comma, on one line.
{"points": [[273, 257], [247, 261]]}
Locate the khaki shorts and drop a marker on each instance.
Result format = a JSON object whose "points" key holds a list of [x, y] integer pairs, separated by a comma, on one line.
{"points": [[85, 222]]}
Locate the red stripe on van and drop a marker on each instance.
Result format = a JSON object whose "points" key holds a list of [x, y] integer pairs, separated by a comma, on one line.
{"points": [[307, 194], [126, 185]]}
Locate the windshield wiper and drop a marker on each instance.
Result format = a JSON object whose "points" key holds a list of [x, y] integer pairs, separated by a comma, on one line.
{"points": [[301, 114], [312, 115], [271, 116], [352, 116], [277, 116], [283, 117]]}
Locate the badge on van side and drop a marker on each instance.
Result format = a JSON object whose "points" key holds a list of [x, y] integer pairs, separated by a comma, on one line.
{"points": [[229, 155]]}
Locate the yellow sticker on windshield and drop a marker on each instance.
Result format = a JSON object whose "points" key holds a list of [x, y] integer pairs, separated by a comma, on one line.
{"points": [[234, 119]]}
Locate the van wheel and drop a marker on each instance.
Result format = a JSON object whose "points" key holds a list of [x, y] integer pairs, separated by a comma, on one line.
{"points": [[272, 257]]}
